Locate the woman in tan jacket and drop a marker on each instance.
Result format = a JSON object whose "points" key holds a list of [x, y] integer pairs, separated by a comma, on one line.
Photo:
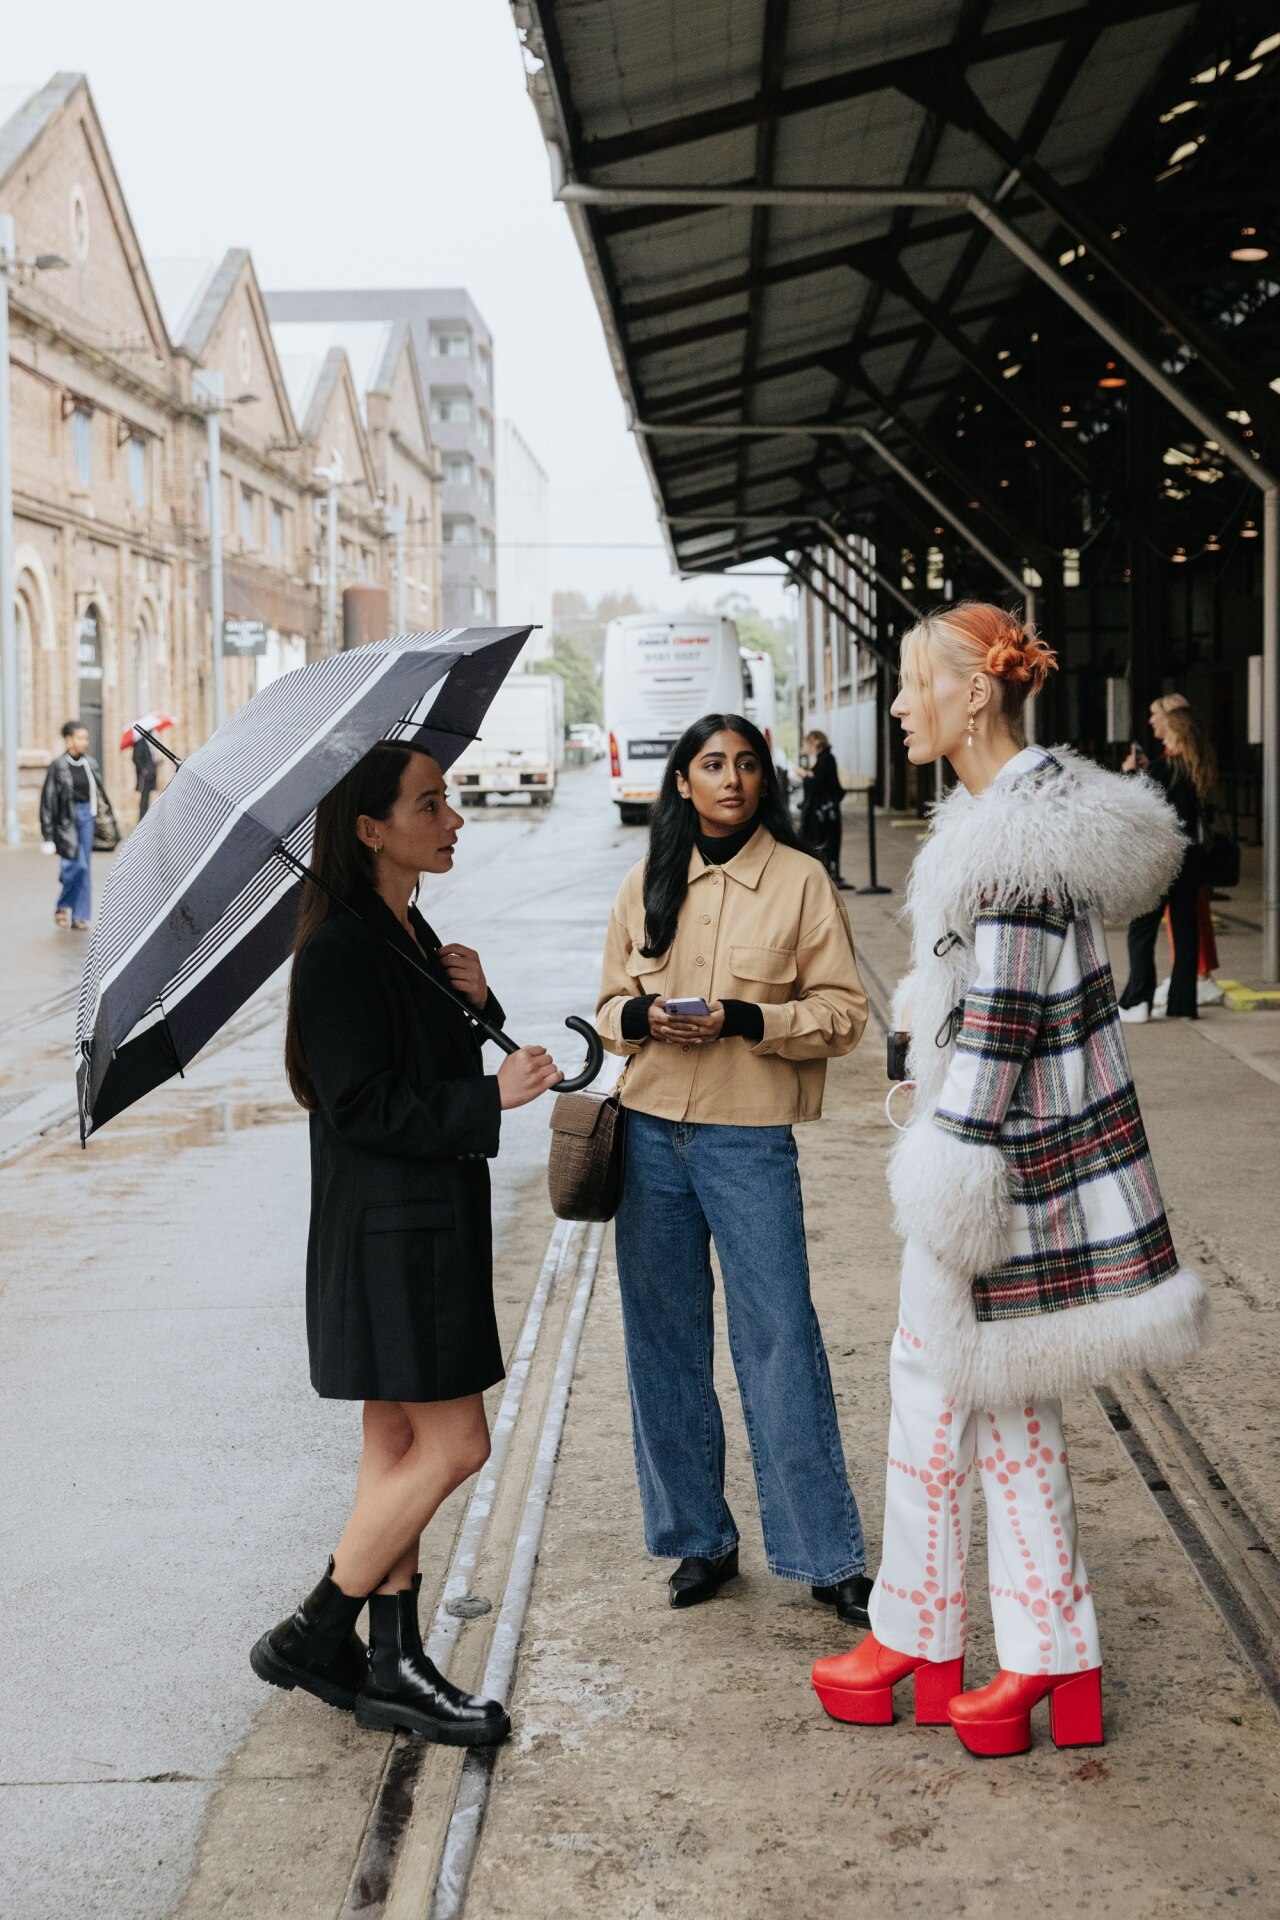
{"points": [[729, 913]]}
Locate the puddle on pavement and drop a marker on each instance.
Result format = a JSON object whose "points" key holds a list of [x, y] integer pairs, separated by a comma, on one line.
{"points": [[207, 1125]]}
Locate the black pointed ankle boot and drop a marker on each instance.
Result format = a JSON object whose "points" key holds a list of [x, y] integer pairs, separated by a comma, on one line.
{"points": [[317, 1648], [404, 1689]]}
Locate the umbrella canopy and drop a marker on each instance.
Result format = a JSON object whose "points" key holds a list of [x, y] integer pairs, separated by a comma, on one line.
{"points": [[153, 722], [201, 904]]}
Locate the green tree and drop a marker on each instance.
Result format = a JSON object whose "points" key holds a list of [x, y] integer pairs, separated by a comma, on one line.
{"points": [[766, 636]]}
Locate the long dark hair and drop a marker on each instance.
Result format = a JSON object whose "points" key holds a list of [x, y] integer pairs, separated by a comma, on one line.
{"points": [[674, 826], [341, 861]]}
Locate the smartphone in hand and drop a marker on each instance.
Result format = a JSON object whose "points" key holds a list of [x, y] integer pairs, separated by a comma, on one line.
{"points": [[686, 1009], [896, 1065]]}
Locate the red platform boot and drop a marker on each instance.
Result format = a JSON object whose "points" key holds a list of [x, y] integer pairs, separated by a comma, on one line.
{"points": [[996, 1719], [858, 1685]]}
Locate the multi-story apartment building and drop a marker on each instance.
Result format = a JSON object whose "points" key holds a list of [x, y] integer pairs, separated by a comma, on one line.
{"points": [[455, 351], [109, 436]]}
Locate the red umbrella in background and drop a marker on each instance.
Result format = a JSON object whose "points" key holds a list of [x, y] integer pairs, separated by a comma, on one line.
{"points": [[153, 722]]}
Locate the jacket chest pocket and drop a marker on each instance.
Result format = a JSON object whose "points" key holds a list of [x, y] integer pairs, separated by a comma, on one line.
{"points": [[647, 973], [766, 974]]}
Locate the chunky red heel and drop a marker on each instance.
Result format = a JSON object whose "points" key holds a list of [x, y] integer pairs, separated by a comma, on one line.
{"points": [[858, 1686], [995, 1720], [1075, 1710], [937, 1684]]}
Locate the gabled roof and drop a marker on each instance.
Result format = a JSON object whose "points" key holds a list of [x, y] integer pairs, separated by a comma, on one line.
{"points": [[38, 118], [335, 373], [209, 296]]}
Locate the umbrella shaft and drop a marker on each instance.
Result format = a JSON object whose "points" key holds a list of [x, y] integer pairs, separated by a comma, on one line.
{"points": [[474, 1019]]}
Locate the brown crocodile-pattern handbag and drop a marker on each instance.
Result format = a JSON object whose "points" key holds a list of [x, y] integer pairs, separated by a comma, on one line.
{"points": [[585, 1165]]}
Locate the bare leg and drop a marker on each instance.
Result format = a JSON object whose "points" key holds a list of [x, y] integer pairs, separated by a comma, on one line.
{"points": [[398, 1491], [388, 1436]]}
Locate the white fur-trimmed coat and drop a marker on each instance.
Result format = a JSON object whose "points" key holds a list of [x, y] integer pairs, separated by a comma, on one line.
{"points": [[1023, 1183]]}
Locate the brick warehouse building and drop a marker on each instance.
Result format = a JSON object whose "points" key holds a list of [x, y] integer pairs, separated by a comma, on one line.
{"points": [[110, 469]]}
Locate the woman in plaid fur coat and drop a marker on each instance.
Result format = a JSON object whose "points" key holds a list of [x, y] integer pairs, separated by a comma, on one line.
{"points": [[1038, 1259]]}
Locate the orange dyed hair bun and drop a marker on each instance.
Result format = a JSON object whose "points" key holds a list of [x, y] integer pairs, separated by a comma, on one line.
{"points": [[1000, 644]]}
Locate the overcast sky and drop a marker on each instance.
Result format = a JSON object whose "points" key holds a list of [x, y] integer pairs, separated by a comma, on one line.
{"points": [[377, 143]]}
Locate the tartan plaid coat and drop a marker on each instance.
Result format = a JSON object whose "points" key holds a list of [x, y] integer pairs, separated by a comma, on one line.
{"points": [[1023, 1183]]}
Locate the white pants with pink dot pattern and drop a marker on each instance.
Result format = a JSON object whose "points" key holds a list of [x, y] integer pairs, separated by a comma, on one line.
{"points": [[1040, 1599]]}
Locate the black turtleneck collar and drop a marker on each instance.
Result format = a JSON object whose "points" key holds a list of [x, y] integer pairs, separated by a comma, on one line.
{"points": [[720, 848]]}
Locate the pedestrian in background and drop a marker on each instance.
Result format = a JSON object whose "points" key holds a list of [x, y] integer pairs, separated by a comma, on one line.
{"points": [[1187, 773], [400, 1308], [1038, 1259], [75, 817], [820, 821], [145, 768], [730, 913]]}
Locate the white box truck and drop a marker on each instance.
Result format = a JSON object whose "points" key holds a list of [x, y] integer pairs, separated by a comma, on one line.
{"points": [[660, 676], [521, 744]]}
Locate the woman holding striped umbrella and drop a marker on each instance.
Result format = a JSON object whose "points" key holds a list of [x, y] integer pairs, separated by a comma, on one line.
{"points": [[400, 1313]]}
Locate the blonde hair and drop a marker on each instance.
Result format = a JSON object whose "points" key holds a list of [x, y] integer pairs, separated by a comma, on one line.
{"points": [[976, 637], [1189, 744]]}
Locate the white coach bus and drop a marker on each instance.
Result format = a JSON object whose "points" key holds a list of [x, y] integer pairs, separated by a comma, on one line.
{"points": [[659, 677]]}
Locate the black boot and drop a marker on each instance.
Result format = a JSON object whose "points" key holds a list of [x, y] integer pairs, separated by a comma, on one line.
{"points": [[849, 1598], [697, 1579], [404, 1689], [317, 1647]]}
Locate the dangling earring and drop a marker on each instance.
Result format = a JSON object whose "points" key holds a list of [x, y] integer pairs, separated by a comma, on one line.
{"points": [[973, 715]]}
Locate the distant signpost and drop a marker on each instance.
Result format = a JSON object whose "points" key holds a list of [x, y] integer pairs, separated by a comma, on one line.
{"points": [[244, 639]]}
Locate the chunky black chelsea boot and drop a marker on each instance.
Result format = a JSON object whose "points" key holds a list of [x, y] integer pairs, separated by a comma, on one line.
{"points": [[317, 1647], [404, 1689]]}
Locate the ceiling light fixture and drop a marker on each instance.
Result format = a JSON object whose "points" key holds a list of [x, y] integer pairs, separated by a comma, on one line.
{"points": [[1249, 248], [1111, 376], [1268, 45], [1213, 544], [1248, 531], [1179, 556], [1183, 106]]}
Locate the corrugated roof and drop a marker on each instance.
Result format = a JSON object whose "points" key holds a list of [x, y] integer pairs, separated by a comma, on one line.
{"points": [[820, 313]]}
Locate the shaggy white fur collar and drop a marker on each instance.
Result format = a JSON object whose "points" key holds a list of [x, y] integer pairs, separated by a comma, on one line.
{"points": [[1057, 826]]}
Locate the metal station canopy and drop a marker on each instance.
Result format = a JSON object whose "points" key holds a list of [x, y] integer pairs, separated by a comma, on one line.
{"points": [[809, 225]]}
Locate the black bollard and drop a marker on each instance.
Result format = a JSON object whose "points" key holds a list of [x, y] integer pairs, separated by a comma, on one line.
{"points": [[871, 845]]}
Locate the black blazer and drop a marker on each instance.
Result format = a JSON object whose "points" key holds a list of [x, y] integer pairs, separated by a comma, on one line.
{"points": [[399, 1260]]}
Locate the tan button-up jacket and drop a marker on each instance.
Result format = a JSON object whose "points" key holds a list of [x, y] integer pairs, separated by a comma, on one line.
{"points": [[768, 926]]}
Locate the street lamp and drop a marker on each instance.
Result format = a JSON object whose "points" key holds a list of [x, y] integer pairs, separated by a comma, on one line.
{"points": [[207, 392], [10, 263]]}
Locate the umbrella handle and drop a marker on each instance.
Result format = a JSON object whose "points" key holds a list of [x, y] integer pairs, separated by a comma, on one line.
{"points": [[595, 1057], [595, 1052]]}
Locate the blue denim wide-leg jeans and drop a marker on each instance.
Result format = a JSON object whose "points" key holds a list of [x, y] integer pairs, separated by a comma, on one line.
{"points": [[687, 1185], [75, 876]]}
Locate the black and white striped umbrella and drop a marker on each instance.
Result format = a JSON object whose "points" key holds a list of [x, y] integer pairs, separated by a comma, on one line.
{"points": [[202, 902]]}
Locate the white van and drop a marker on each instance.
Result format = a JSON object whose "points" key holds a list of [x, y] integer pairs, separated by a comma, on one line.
{"points": [[521, 744], [659, 677]]}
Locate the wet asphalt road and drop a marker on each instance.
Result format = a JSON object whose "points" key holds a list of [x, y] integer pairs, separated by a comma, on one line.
{"points": [[164, 1455]]}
